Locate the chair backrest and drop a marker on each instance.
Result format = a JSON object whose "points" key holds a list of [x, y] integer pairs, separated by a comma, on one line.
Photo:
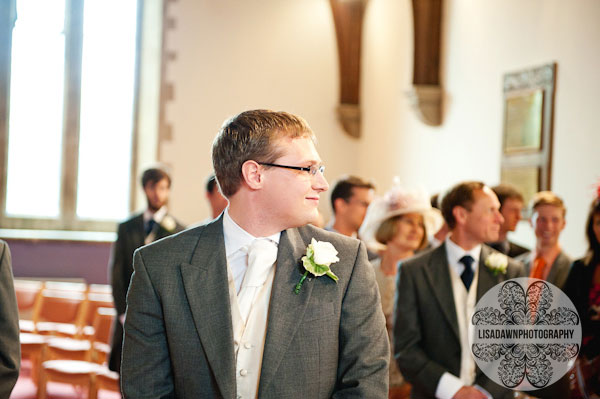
{"points": [[28, 294], [103, 323], [95, 301], [100, 288], [66, 286], [60, 306]]}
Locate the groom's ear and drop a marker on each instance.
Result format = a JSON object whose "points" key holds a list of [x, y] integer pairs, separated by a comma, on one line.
{"points": [[252, 174]]}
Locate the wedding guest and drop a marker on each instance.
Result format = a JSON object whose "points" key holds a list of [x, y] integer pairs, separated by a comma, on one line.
{"points": [[216, 200], [511, 205], [350, 199], [396, 226], [10, 349], [141, 229], [548, 261], [583, 288], [437, 237], [226, 310]]}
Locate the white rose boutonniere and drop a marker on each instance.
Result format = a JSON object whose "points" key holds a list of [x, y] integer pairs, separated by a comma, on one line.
{"points": [[168, 223], [497, 263], [319, 256]]}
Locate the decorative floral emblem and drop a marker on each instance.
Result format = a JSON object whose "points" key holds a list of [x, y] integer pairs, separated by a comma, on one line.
{"points": [[319, 256], [168, 223], [532, 340], [497, 263]]}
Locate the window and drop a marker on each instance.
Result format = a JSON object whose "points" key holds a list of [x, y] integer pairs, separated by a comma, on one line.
{"points": [[68, 75]]}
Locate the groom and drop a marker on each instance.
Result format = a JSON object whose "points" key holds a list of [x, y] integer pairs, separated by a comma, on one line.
{"points": [[213, 313]]}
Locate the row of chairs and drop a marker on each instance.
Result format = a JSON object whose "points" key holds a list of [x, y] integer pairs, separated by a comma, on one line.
{"points": [[65, 331]]}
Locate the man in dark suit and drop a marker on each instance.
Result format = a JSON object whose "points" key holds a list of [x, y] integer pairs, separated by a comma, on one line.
{"points": [[152, 224], [223, 310], [10, 348], [436, 296], [511, 205]]}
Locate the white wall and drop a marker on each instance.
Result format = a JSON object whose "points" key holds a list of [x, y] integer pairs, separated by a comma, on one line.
{"points": [[481, 42], [281, 54], [239, 55]]}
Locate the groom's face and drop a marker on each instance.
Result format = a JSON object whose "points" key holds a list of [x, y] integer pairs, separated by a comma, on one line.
{"points": [[293, 195]]}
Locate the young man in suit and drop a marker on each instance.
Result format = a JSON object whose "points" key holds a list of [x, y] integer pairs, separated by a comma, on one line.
{"points": [[10, 348], [437, 294], [350, 199], [216, 311], [511, 205], [548, 261], [152, 224]]}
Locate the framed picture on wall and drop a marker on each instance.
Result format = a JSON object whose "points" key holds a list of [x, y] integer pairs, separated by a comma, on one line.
{"points": [[527, 129]]}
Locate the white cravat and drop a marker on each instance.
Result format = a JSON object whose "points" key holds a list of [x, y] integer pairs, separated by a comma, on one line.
{"points": [[262, 254]]}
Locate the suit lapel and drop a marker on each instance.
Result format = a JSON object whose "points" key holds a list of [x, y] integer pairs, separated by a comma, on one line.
{"points": [[286, 309], [206, 286], [439, 277], [486, 279]]}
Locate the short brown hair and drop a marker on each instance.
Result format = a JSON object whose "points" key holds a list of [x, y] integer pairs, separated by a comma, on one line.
{"points": [[250, 136], [154, 175], [459, 195], [547, 198], [343, 188], [389, 228], [507, 191]]}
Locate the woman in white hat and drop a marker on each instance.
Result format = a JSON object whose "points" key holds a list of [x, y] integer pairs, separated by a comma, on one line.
{"points": [[396, 226]]}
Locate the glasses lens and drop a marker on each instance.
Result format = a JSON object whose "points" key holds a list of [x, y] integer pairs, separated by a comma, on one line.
{"points": [[317, 168]]}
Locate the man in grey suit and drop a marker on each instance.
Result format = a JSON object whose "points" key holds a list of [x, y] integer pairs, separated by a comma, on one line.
{"points": [[436, 296], [151, 225], [10, 349], [194, 326]]}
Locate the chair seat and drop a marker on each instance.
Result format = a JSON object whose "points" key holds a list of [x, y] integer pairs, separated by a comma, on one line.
{"points": [[101, 347], [27, 338], [69, 344], [26, 326], [47, 327], [72, 366]]}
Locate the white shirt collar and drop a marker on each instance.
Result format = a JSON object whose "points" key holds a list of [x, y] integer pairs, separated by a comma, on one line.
{"points": [[158, 216], [236, 237], [455, 253]]}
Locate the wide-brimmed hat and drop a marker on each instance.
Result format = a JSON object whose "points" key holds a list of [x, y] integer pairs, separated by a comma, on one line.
{"points": [[399, 201]]}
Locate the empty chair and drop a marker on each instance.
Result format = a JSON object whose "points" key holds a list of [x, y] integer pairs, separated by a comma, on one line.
{"points": [[58, 307], [28, 294], [77, 362]]}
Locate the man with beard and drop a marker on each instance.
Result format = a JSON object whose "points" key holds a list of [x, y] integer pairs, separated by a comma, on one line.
{"points": [[152, 224]]}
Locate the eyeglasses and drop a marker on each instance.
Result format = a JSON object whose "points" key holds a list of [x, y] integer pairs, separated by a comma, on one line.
{"points": [[312, 170]]}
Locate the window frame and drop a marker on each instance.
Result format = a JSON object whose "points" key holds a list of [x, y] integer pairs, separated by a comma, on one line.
{"points": [[67, 219]]}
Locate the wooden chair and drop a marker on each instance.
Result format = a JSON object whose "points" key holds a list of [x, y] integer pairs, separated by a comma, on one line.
{"points": [[83, 328], [59, 307], [77, 362], [106, 380], [94, 349], [74, 372], [28, 294], [33, 347]]}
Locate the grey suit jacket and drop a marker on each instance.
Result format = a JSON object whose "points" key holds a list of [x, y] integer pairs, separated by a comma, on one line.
{"points": [[327, 341], [10, 348], [426, 332], [559, 271]]}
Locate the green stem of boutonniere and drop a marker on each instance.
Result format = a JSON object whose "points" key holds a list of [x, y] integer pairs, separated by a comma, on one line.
{"points": [[299, 285]]}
